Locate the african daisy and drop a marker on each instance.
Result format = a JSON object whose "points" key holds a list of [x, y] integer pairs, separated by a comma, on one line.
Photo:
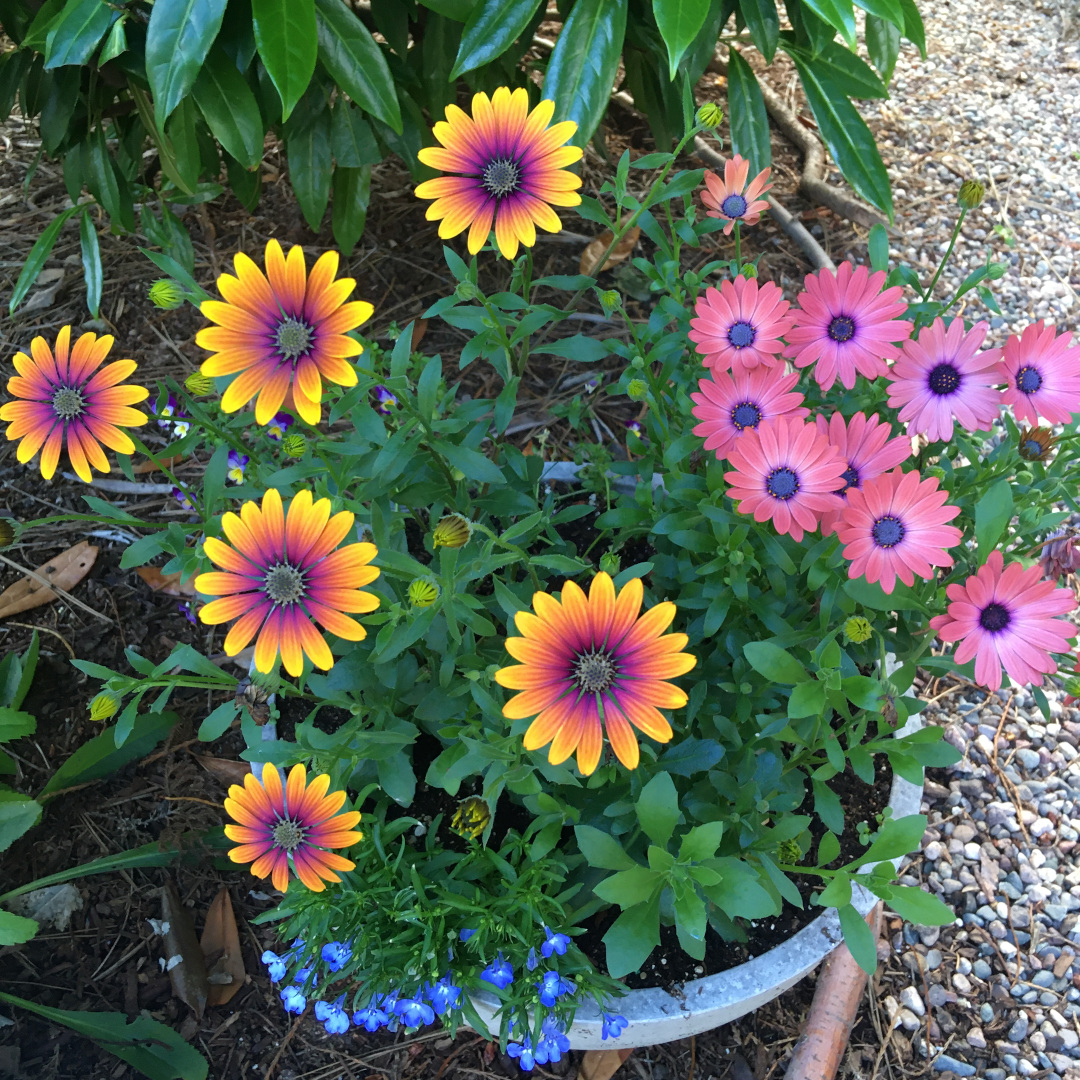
{"points": [[739, 325], [1042, 375], [1003, 616], [732, 199]]}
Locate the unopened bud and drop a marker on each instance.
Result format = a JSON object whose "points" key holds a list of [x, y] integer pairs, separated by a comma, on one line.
{"points": [[610, 563], [710, 115], [294, 445], [636, 389], [198, 384], [858, 630], [471, 817], [104, 705], [466, 290], [692, 280], [748, 271], [609, 301], [167, 294], [423, 593], [971, 194], [1072, 686], [452, 532], [638, 363]]}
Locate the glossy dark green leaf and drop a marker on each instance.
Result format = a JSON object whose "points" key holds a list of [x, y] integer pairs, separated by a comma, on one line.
{"points": [[459, 10], [993, 512], [38, 30], [309, 168], [879, 248], [246, 184], [115, 43], [352, 190], [441, 39], [61, 99], [849, 73], [653, 93], [914, 30], [287, 39], [811, 31], [106, 186], [889, 10], [763, 22], [181, 134], [77, 31], [749, 120], [703, 49], [406, 143], [237, 35], [679, 22], [230, 109], [350, 54], [883, 46], [849, 140], [91, 261], [351, 138], [583, 65], [837, 13], [13, 66], [391, 18], [492, 27], [178, 41]]}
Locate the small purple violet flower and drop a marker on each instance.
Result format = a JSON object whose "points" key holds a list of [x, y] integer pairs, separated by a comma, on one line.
{"points": [[278, 425], [384, 399], [237, 465]]}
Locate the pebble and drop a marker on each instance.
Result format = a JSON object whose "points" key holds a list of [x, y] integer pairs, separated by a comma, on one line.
{"points": [[944, 1063], [1018, 1032], [909, 998], [976, 1038]]}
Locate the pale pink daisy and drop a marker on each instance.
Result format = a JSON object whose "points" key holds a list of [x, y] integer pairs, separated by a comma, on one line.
{"points": [[732, 199], [940, 377], [894, 527], [1042, 375], [739, 325], [867, 446], [847, 325], [729, 405], [787, 471], [1003, 616]]}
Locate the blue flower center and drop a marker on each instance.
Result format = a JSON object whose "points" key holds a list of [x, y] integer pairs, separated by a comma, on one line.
{"points": [[741, 334], [1033, 449], [734, 206], [782, 484], [851, 479], [501, 177], [842, 328], [887, 531], [1028, 380], [995, 617], [945, 380], [746, 415]]}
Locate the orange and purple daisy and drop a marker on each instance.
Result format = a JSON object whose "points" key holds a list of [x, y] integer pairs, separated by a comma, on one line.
{"points": [[787, 472], [867, 446], [283, 331], [847, 325], [1004, 616], [939, 377], [282, 827], [729, 405], [591, 665], [282, 571], [894, 526], [732, 199], [1042, 375], [512, 166], [63, 401], [739, 325]]}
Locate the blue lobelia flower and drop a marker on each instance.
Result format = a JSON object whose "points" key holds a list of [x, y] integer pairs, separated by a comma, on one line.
{"points": [[275, 965], [413, 1012], [612, 1026], [499, 973], [523, 1051], [532, 963], [373, 1017], [443, 995], [466, 934], [553, 987], [336, 954], [301, 976], [552, 1043], [332, 1016], [293, 999], [554, 943]]}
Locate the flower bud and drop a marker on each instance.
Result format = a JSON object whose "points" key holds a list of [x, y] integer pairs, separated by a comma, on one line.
{"points": [[636, 389], [710, 115], [1036, 444], [104, 705], [423, 593], [638, 363], [691, 279], [610, 563], [198, 384], [471, 817], [452, 532], [295, 446], [1072, 686], [858, 630], [7, 533], [609, 301], [971, 194], [466, 290], [788, 851], [748, 271], [736, 557], [167, 294]]}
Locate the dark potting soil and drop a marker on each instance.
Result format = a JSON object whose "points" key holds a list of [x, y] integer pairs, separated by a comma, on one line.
{"points": [[293, 711]]}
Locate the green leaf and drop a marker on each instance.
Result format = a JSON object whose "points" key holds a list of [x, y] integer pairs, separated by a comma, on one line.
{"points": [[230, 109], [115, 44], [585, 350], [630, 887], [218, 722], [864, 691], [914, 30], [889, 10], [849, 140], [883, 46], [355, 62], [178, 41], [691, 921], [849, 73], [827, 806], [774, 663], [15, 724], [879, 248], [246, 184], [309, 168], [838, 892], [749, 120], [14, 929], [828, 849], [763, 22], [679, 22], [918, 907], [458, 10], [91, 261], [351, 140], [691, 755], [631, 937], [492, 27], [657, 808], [896, 838], [105, 184], [36, 259], [17, 814], [807, 699], [601, 849], [740, 892], [584, 63], [287, 39], [701, 841], [476, 466], [993, 512], [837, 13], [872, 595], [859, 938], [75, 33], [352, 191]]}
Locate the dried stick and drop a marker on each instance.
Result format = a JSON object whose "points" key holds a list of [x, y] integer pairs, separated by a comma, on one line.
{"points": [[840, 986]]}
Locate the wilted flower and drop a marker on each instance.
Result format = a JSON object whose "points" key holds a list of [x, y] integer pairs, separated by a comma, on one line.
{"points": [[278, 425], [237, 464], [453, 531], [167, 294], [104, 705], [1036, 443], [423, 593], [971, 194], [710, 115], [471, 817], [184, 607], [198, 384], [1060, 556], [858, 630]]}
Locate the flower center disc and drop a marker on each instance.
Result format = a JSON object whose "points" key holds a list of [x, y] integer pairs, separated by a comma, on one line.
{"points": [[745, 415], [995, 617], [68, 403], [944, 380], [741, 335], [887, 531], [288, 834], [501, 177], [1028, 380], [1033, 450], [782, 484], [842, 328], [594, 672], [284, 584], [293, 338], [734, 206], [851, 478]]}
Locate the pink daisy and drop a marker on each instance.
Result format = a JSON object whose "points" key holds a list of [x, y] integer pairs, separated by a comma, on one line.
{"points": [[739, 325], [868, 450], [730, 405], [894, 527], [1042, 374], [847, 325], [1005, 617], [731, 199], [939, 377], [785, 470]]}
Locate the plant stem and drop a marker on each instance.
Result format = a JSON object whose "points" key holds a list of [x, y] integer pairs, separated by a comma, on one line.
{"points": [[945, 257], [738, 247]]}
